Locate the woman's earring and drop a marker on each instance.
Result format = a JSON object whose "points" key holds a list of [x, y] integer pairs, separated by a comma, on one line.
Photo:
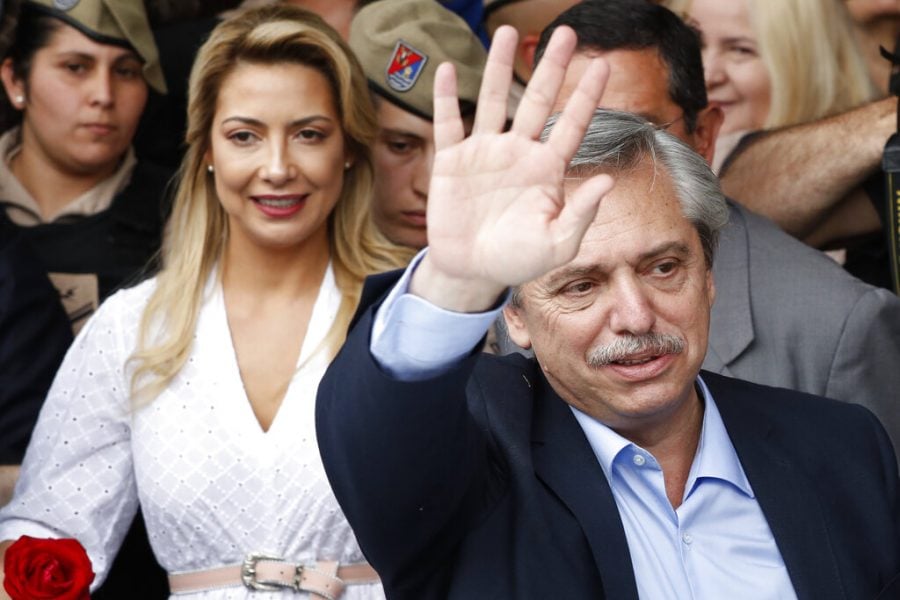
{"points": [[210, 168], [346, 165], [20, 100]]}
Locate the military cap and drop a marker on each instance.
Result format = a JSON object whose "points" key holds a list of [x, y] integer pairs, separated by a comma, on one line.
{"points": [[118, 22], [400, 44]]}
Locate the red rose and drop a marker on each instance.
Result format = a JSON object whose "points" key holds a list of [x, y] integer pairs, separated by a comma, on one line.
{"points": [[37, 568]]}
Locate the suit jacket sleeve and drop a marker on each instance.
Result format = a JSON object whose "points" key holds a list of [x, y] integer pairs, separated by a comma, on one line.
{"points": [[866, 365], [408, 461]]}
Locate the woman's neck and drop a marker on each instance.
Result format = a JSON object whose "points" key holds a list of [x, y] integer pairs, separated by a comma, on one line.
{"points": [[51, 186], [266, 271]]}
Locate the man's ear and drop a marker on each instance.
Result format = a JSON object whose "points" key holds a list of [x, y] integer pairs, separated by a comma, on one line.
{"points": [[709, 121], [515, 326], [525, 54], [710, 287], [14, 88]]}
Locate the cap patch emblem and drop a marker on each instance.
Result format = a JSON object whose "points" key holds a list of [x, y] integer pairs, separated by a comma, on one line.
{"points": [[405, 66], [64, 4]]}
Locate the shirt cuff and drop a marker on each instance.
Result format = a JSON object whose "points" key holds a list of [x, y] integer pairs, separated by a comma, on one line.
{"points": [[413, 339]]}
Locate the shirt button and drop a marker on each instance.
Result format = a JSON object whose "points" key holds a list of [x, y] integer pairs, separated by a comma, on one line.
{"points": [[687, 538], [639, 460]]}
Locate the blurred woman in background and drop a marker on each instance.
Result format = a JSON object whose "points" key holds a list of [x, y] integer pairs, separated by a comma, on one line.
{"points": [[771, 64]]}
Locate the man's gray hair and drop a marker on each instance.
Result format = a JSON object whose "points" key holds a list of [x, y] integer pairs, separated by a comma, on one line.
{"points": [[616, 142]]}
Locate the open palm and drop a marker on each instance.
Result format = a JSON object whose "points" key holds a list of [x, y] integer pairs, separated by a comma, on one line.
{"points": [[497, 214]]}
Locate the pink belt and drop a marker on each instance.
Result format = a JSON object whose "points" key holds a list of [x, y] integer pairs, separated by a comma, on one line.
{"points": [[325, 580]]}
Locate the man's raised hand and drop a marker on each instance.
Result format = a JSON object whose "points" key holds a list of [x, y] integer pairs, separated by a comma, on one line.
{"points": [[497, 215]]}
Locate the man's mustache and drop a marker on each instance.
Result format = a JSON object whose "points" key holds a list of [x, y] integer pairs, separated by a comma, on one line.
{"points": [[629, 345]]}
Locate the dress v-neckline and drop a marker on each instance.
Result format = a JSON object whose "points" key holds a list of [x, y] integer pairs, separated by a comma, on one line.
{"points": [[320, 320]]}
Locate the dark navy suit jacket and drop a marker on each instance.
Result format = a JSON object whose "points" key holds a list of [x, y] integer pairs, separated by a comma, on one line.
{"points": [[481, 484]]}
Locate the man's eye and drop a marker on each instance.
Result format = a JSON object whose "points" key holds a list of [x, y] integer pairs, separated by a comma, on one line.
{"points": [[665, 268], [579, 288], [75, 67]]}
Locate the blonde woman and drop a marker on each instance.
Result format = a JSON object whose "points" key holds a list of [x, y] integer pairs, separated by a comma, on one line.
{"points": [[194, 392], [793, 71], [772, 64]]}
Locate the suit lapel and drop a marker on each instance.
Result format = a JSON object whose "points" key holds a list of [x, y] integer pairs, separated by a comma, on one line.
{"points": [[564, 461], [731, 321], [793, 512]]}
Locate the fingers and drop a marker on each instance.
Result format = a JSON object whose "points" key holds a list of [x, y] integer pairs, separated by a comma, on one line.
{"points": [[580, 210], [569, 129], [448, 126], [494, 93], [540, 95]]}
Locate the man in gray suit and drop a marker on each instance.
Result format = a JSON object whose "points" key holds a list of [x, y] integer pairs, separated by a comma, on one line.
{"points": [[785, 314]]}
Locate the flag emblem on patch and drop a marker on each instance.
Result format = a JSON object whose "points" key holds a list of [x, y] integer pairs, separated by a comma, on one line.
{"points": [[405, 66]]}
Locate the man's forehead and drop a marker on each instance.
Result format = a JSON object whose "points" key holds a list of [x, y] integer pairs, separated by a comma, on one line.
{"points": [[638, 82], [641, 214], [586, 264]]}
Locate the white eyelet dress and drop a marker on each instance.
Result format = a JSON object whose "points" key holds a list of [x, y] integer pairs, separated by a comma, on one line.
{"points": [[213, 485]]}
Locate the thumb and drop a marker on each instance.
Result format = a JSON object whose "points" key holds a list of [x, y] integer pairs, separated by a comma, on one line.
{"points": [[579, 211]]}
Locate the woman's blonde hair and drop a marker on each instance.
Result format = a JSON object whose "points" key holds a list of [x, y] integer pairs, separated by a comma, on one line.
{"points": [[198, 228], [815, 65]]}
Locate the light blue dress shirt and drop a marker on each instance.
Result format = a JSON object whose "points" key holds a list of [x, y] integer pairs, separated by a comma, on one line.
{"points": [[716, 545]]}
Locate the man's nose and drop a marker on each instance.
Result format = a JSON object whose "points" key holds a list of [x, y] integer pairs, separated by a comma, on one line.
{"points": [[632, 311]]}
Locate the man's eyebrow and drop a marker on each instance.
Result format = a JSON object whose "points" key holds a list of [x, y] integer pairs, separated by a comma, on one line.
{"points": [[664, 248], [573, 272], [576, 271]]}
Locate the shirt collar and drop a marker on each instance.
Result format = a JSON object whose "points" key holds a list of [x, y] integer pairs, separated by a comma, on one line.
{"points": [[716, 457]]}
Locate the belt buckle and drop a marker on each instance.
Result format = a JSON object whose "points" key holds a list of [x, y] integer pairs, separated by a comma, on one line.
{"points": [[248, 574]]}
